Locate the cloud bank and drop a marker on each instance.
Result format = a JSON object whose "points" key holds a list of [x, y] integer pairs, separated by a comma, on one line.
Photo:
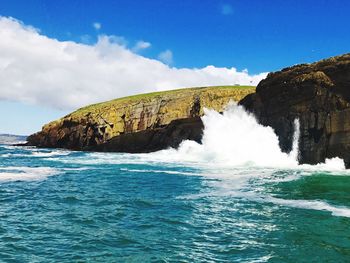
{"points": [[39, 70]]}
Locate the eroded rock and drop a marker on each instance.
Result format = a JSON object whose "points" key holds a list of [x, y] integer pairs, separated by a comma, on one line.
{"points": [[318, 95], [139, 123]]}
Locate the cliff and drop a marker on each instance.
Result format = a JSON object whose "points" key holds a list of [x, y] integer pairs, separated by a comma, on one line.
{"points": [[317, 94], [141, 123]]}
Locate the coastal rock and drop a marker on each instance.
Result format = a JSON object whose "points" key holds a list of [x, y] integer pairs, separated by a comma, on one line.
{"points": [[318, 95], [141, 123]]}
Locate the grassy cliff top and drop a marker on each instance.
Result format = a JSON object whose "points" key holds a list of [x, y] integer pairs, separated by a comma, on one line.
{"points": [[143, 111], [169, 94]]}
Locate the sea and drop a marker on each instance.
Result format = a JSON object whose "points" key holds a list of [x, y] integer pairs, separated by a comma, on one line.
{"points": [[233, 198]]}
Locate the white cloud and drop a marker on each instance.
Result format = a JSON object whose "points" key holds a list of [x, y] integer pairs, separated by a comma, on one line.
{"points": [[166, 57], [141, 45], [226, 9], [39, 70], [97, 25]]}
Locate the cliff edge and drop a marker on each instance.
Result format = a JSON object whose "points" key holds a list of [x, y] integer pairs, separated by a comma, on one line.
{"points": [[141, 123], [317, 94]]}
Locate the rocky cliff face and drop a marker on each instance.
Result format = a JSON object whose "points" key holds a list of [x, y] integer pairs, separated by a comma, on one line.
{"points": [[139, 123], [318, 95]]}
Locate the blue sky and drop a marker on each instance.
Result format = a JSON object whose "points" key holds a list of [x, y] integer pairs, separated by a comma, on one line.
{"points": [[260, 36]]}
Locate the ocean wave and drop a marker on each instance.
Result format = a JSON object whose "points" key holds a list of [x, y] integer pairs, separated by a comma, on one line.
{"points": [[236, 139], [310, 204], [29, 153], [161, 171], [50, 154], [26, 173], [261, 198]]}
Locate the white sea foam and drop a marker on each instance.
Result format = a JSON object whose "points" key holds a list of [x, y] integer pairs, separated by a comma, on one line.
{"points": [[26, 173], [237, 149], [33, 152], [234, 139], [161, 171], [310, 204], [334, 164], [261, 198], [50, 154]]}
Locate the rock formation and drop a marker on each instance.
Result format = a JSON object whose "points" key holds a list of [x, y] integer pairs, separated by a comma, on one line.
{"points": [[318, 95], [140, 123]]}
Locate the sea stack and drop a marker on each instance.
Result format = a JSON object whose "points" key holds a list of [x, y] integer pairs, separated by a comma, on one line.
{"points": [[317, 94]]}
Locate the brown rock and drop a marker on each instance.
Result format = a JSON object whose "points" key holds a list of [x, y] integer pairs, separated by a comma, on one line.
{"points": [[318, 95], [141, 123]]}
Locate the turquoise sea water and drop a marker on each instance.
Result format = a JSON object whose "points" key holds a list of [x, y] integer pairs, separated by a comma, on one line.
{"points": [[236, 197], [60, 206]]}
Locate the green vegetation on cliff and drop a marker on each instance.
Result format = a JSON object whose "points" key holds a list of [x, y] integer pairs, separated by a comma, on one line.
{"points": [[95, 124], [241, 92]]}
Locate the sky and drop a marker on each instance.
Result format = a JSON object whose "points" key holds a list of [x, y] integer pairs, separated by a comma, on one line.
{"points": [[57, 56]]}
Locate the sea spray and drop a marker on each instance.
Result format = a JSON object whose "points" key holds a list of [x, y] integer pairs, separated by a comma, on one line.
{"points": [[294, 154], [235, 138]]}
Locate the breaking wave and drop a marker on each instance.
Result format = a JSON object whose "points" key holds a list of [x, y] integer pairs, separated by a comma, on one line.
{"points": [[235, 138], [235, 150], [26, 173]]}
